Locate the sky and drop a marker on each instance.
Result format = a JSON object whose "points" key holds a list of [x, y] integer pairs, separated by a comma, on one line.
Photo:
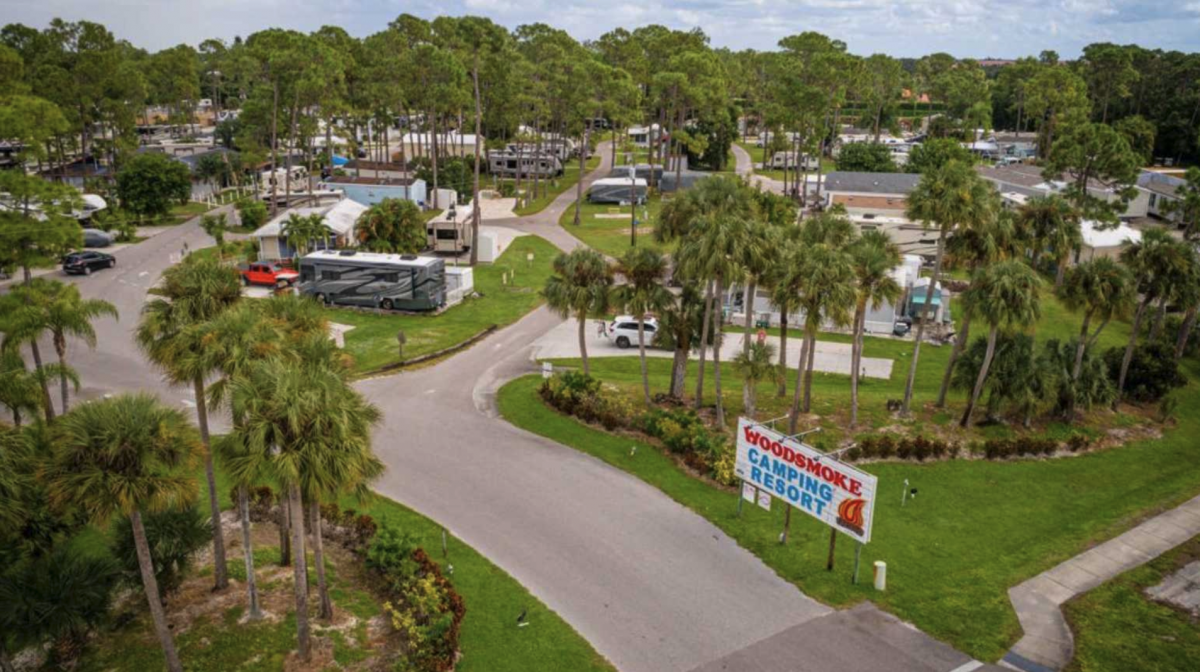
{"points": [[964, 28]]}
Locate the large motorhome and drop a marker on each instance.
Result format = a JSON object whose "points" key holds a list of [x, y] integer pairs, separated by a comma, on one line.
{"points": [[504, 164], [374, 280]]}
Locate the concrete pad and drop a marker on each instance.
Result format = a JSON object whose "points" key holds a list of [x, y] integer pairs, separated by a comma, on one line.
{"points": [[492, 206], [562, 342], [1049, 589]]}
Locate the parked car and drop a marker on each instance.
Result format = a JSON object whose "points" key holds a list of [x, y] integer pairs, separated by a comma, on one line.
{"points": [[624, 330], [270, 274], [96, 238], [86, 262]]}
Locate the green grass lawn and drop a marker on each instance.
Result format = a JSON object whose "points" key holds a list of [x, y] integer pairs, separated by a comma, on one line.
{"points": [[602, 231], [1118, 628], [372, 342], [557, 185], [976, 527]]}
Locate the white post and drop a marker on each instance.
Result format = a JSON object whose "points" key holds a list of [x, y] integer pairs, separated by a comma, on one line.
{"points": [[880, 575]]}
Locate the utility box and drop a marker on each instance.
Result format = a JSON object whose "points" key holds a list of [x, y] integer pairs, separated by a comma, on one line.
{"points": [[489, 247]]}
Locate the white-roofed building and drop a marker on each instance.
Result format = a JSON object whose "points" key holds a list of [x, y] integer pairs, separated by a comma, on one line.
{"points": [[1105, 242], [339, 218]]}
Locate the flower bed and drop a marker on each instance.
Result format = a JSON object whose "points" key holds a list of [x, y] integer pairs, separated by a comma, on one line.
{"points": [[421, 603], [681, 432]]}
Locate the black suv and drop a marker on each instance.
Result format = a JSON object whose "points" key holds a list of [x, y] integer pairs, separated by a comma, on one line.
{"points": [[86, 262]]}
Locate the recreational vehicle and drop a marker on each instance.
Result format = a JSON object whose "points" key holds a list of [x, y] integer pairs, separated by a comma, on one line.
{"points": [[451, 231], [504, 164], [782, 160], [374, 280], [617, 190]]}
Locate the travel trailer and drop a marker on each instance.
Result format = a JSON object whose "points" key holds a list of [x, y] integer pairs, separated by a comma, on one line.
{"points": [[374, 280], [782, 160], [450, 232], [504, 164]]}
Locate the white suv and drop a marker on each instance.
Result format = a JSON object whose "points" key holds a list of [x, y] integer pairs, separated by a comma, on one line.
{"points": [[624, 331]]}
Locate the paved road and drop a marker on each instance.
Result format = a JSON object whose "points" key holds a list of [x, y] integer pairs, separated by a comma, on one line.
{"points": [[562, 342], [653, 586]]}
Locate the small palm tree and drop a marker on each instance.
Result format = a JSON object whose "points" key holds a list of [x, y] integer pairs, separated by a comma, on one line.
{"points": [[1155, 261], [123, 456], [642, 293], [20, 391], [973, 247], [680, 324], [950, 197], [755, 365], [1053, 225], [1005, 295], [302, 231], [874, 255], [1102, 289], [57, 309], [171, 333], [578, 287]]}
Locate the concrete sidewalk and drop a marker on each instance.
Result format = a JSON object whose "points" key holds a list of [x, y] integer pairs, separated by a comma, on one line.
{"points": [[562, 342], [1048, 644]]}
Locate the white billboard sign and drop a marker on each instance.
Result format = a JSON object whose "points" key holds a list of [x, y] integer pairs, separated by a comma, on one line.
{"points": [[835, 493]]}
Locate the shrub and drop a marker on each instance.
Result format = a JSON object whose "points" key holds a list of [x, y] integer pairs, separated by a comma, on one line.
{"points": [[390, 554], [722, 467], [1152, 373], [174, 537], [1078, 442], [252, 213], [365, 529], [58, 598]]}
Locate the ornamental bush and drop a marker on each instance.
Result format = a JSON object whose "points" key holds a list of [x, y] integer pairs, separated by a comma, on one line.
{"points": [[1153, 371]]}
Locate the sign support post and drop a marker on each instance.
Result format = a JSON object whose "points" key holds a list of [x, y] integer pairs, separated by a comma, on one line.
{"points": [[857, 558], [832, 544], [787, 523]]}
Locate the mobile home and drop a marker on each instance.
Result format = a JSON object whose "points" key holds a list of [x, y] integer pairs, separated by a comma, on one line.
{"points": [[374, 280]]}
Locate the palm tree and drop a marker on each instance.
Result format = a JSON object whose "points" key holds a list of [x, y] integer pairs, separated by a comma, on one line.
{"points": [[1053, 224], [47, 306], [66, 313], [1005, 295], [973, 247], [240, 337], [710, 220], [873, 255], [949, 197], [786, 286], [299, 421], [125, 455], [578, 287], [827, 275], [301, 231], [680, 321], [755, 365], [642, 293], [1152, 261], [171, 333], [1101, 288], [760, 259], [19, 388]]}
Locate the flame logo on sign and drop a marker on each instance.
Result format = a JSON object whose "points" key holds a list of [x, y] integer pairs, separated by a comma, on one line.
{"points": [[850, 515]]}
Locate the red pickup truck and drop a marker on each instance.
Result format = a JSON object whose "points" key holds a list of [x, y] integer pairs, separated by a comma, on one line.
{"points": [[263, 273]]}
